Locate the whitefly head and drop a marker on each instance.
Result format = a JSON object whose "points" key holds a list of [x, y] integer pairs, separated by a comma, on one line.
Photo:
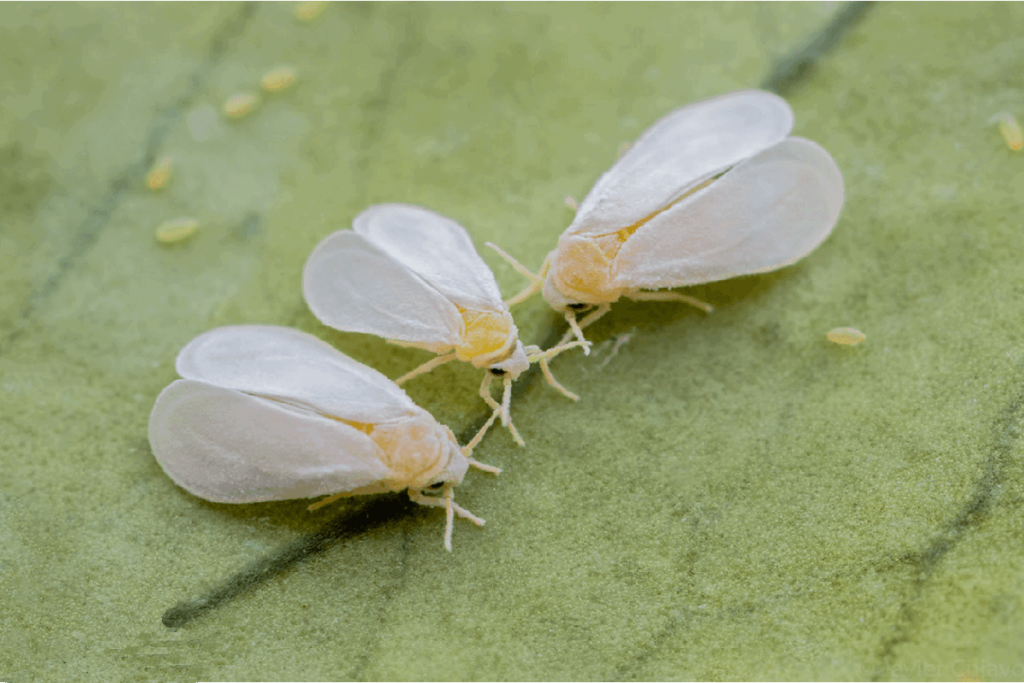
{"points": [[555, 298], [582, 272], [513, 366], [453, 472], [420, 452], [489, 338], [559, 301]]}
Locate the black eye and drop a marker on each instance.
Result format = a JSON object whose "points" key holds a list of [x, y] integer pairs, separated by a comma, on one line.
{"points": [[497, 372], [577, 307], [436, 486]]}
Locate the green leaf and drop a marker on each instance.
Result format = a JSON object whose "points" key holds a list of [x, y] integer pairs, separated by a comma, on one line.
{"points": [[733, 497]]}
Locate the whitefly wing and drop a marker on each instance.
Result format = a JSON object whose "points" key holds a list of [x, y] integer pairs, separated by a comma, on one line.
{"points": [[679, 151], [766, 213], [434, 247], [351, 285], [293, 367], [231, 447]]}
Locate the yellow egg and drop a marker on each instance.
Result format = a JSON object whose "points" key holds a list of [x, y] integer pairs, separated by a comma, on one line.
{"points": [[1010, 130], [176, 230], [308, 11], [159, 174], [847, 336], [278, 79], [239, 105]]}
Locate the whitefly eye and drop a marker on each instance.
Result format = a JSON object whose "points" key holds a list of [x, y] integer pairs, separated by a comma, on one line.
{"points": [[497, 372], [577, 307]]}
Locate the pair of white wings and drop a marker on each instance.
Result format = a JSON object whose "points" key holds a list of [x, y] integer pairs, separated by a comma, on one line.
{"points": [[400, 273], [254, 418], [778, 199]]}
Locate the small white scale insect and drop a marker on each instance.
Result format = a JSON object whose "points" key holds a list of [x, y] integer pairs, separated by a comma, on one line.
{"points": [[270, 413], [713, 190], [413, 277]]}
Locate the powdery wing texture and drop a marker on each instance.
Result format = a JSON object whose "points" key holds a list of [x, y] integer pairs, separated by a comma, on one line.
{"points": [[764, 214], [230, 447], [434, 247], [296, 368], [686, 146], [351, 285]]}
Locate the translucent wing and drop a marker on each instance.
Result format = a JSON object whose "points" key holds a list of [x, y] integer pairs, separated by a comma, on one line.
{"points": [[683, 148], [294, 367], [764, 214], [434, 247], [230, 447], [351, 285]]}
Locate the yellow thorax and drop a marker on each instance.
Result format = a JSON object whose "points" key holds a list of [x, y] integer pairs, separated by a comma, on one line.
{"points": [[487, 334]]}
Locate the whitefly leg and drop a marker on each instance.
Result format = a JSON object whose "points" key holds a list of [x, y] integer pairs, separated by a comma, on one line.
{"points": [[554, 382], [461, 511], [468, 448], [449, 518], [485, 393], [535, 355], [671, 296], [536, 279], [506, 412], [451, 509], [379, 487], [483, 466], [500, 409], [326, 501], [447, 503], [426, 367], [576, 328]]}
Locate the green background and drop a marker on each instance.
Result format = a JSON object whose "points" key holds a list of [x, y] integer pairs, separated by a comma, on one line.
{"points": [[734, 497]]}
